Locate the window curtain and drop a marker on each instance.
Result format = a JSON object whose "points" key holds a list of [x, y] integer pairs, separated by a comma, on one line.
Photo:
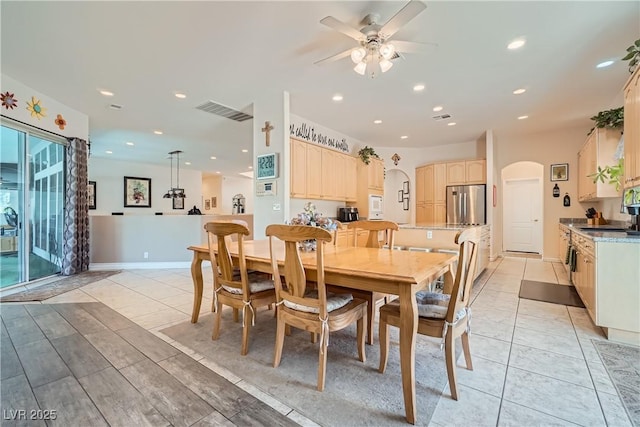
{"points": [[75, 255]]}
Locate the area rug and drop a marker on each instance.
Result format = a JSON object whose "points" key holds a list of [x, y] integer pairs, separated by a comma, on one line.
{"points": [[65, 284], [550, 292], [355, 393], [623, 365]]}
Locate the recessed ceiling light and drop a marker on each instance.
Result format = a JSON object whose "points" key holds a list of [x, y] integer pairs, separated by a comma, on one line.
{"points": [[180, 95], [516, 44], [377, 122], [157, 132], [106, 93], [418, 88], [438, 108], [250, 167], [337, 97], [109, 152], [217, 171], [404, 137], [519, 91], [187, 163], [523, 117], [451, 124], [129, 143], [245, 151], [604, 64], [213, 157]]}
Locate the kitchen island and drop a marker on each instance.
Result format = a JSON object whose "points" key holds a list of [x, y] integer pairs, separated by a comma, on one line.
{"points": [[606, 274]]}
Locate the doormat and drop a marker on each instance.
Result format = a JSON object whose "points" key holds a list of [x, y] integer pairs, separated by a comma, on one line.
{"points": [[66, 284], [550, 292], [623, 365]]}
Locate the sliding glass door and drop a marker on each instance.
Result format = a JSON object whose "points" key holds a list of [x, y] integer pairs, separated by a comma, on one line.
{"points": [[31, 204]]}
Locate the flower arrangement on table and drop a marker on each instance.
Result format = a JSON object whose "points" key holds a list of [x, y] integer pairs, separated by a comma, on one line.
{"points": [[310, 216]]}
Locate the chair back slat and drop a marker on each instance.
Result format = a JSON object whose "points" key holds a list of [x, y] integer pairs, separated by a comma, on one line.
{"points": [[294, 275], [468, 241], [374, 227], [218, 236]]}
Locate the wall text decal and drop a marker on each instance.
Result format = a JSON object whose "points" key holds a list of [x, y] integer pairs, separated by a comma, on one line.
{"points": [[311, 132]]}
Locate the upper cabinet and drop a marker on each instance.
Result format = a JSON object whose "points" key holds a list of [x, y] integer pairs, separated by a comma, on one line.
{"points": [[320, 173], [466, 172], [632, 131], [375, 174], [598, 150]]}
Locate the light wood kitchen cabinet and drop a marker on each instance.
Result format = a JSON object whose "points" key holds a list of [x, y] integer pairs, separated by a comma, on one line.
{"points": [[440, 183], [439, 213], [584, 276], [429, 192], [632, 131], [420, 185], [375, 171], [314, 172], [598, 150], [425, 193], [320, 173], [475, 171], [370, 181], [456, 173], [564, 235]]}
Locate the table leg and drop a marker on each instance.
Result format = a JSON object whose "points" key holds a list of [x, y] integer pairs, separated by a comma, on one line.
{"points": [[408, 330], [196, 275]]}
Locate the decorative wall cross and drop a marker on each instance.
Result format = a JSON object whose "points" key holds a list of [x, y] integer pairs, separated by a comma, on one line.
{"points": [[267, 129], [395, 159]]}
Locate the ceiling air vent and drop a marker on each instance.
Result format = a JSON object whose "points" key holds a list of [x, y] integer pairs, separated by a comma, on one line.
{"points": [[442, 117], [224, 111], [115, 106]]}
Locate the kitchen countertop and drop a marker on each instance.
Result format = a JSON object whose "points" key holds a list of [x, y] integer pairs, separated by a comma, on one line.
{"points": [[600, 235], [437, 226]]}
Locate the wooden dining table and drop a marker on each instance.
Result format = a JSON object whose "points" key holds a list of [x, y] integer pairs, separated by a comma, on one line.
{"points": [[401, 273]]}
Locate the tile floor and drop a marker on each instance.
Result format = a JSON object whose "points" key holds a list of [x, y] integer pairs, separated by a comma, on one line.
{"points": [[534, 362]]}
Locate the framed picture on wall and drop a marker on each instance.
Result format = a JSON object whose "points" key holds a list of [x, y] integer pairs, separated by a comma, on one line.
{"points": [[207, 204], [137, 192], [400, 196], [214, 202], [560, 172], [91, 194], [405, 204], [405, 187], [178, 203]]}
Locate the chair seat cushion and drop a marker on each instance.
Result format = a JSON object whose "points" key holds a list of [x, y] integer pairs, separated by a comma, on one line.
{"points": [[257, 283], [435, 305], [334, 302]]}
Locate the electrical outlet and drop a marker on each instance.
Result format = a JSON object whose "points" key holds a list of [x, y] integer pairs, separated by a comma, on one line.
{"points": [[429, 234], [146, 255], [276, 206]]}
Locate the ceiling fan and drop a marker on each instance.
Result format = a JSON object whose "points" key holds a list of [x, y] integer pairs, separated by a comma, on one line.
{"points": [[374, 49]]}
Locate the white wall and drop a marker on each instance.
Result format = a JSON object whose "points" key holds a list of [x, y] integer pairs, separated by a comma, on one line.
{"points": [[212, 187], [109, 176], [231, 186], [393, 210]]}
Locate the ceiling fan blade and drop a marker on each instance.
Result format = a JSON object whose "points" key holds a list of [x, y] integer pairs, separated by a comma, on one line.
{"points": [[340, 26], [412, 47], [335, 57], [406, 14]]}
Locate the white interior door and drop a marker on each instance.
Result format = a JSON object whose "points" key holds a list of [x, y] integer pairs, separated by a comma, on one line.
{"points": [[522, 208]]}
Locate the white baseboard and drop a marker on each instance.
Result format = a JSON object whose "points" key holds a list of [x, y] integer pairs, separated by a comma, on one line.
{"points": [[138, 265]]}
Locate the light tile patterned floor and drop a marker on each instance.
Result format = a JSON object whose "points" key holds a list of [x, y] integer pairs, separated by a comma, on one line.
{"points": [[534, 363]]}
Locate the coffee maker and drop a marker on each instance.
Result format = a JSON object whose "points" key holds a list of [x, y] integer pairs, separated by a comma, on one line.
{"points": [[348, 214], [634, 211]]}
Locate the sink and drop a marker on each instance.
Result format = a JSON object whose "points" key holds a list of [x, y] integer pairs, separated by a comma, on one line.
{"points": [[602, 229]]}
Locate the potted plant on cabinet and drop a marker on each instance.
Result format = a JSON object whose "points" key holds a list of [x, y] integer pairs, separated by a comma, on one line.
{"points": [[610, 119], [366, 154], [633, 55]]}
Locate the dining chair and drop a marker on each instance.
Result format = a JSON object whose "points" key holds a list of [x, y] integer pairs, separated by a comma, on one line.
{"points": [[312, 310], [442, 315], [237, 289], [374, 299]]}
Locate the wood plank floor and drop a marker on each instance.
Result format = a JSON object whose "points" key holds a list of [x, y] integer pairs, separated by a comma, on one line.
{"points": [[83, 364]]}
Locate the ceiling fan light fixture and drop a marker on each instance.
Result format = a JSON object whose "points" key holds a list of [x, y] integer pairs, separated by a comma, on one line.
{"points": [[358, 54], [385, 65], [360, 68], [387, 50]]}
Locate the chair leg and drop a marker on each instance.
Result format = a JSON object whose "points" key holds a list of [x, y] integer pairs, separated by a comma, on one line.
{"points": [[467, 352], [371, 310], [277, 353], [314, 337], [383, 337], [322, 365], [245, 332], [217, 319], [450, 357], [360, 334], [236, 316], [287, 330]]}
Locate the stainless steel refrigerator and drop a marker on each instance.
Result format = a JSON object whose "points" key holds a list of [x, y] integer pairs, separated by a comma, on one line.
{"points": [[466, 204]]}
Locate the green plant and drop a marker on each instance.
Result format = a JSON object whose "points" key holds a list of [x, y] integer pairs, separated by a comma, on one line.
{"points": [[612, 119], [633, 55], [366, 153], [612, 174], [632, 196]]}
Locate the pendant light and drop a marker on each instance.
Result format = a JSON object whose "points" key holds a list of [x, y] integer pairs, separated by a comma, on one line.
{"points": [[175, 192]]}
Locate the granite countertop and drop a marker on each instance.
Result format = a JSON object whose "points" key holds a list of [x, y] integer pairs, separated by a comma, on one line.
{"points": [[436, 226], [598, 233]]}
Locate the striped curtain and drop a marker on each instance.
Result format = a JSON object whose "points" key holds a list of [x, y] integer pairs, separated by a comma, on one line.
{"points": [[75, 253]]}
